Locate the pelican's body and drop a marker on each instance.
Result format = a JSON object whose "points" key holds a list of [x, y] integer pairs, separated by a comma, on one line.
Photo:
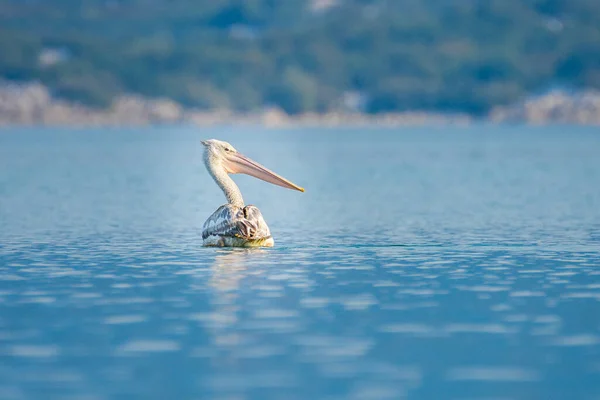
{"points": [[232, 226], [235, 224]]}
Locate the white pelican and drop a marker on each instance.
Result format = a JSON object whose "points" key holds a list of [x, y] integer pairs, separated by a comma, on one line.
{"points": [[235, 224]]}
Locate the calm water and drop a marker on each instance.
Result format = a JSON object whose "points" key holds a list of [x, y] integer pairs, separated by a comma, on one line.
{"points": [[420, 263]]}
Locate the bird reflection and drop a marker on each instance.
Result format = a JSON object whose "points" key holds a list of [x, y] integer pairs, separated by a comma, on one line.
{"points": [[230, 268]]}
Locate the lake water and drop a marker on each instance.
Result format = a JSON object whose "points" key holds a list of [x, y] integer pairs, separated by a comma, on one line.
{"points": [[429, 263]]}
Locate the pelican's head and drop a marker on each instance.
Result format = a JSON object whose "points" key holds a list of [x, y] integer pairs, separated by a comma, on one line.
{"points": [[219, 154]]}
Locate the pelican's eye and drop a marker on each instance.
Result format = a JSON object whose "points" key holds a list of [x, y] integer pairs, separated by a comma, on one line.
{"points": [[227, 149]]}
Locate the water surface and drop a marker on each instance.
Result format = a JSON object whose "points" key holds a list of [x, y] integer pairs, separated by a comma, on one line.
{"points": [[431, 263]]}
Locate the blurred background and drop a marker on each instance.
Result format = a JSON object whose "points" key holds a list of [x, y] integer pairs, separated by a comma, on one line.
{"points": [[148, 61]]}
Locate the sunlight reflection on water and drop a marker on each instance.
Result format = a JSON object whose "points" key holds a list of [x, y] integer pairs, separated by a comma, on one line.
{"points": [[441, 276]]}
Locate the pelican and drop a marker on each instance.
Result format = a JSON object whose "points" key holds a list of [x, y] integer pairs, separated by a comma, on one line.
{"points": [[235, 224]]}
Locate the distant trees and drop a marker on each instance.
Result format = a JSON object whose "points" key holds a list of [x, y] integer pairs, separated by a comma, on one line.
{"points": [[442, 55]]}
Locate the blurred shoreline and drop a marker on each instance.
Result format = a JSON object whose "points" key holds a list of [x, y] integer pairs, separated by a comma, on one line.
{"points": [[32, 105]]}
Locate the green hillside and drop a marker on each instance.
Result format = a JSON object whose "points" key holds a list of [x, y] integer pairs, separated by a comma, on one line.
{"points": [[393, 55]]}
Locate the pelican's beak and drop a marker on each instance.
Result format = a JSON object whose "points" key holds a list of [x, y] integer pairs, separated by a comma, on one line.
{"points": [[237, 163]]}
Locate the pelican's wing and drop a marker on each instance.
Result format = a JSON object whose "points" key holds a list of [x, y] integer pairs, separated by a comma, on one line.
{"points": [[230, 221], [253, 225], [222, 222]]}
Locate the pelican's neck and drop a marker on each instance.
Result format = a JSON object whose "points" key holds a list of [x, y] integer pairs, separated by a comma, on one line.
{"points": [[227, 185]]}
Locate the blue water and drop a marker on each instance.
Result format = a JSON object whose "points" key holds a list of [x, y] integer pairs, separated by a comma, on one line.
{"points": [[430, 263]]}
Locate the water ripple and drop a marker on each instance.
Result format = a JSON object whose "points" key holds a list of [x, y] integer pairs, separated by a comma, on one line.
{"points": [[409, 268]]}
